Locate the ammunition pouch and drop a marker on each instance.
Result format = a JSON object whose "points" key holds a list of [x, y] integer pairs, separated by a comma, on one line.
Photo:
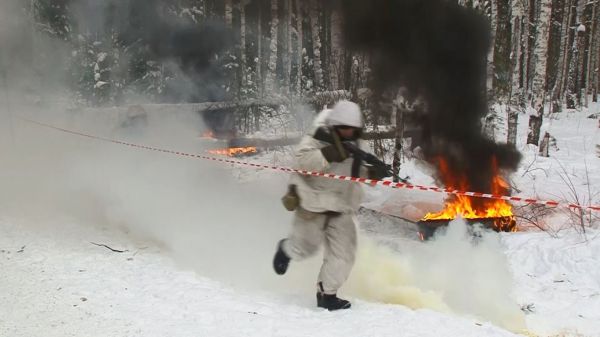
{"points": [[291, 200]]}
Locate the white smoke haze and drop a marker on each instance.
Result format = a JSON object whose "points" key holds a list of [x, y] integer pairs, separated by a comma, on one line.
{"points": [[455, 272], [227, 229], [208, 220]]}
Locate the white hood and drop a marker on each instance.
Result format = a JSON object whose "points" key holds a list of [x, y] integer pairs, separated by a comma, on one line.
{"points": [[345, 113]]}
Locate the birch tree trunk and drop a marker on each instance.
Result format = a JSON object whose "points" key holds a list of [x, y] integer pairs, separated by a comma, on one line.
{"points": [[299, 47], [559, 84], [526, 28], [490, 56], [514, 102], [259, 53], [592, 55], [272, 65], [545, 145], [399, 136], [582, 32], [596, 55], [228, 13], [574, 94], [316, 40], [243, 62], [338, 56], [287, 59], [539, 76]]}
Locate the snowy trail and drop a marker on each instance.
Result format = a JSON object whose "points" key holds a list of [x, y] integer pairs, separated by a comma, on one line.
{"points": [[55, 283]]}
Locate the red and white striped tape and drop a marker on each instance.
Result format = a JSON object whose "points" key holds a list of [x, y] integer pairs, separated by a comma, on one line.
{"points": [[385, 183]]}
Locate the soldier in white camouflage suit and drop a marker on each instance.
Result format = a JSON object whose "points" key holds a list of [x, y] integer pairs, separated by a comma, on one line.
{"points": [[325, 212]]}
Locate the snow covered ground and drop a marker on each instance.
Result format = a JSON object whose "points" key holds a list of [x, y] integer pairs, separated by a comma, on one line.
{"points": [[56, 283], [198, 241], [560, 278]]}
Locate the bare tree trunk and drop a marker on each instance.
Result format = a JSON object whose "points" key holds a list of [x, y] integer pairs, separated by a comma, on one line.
{"points": [[243, 63], [565, 49], [287, 61], [574, 94], [228, 13], [316, 40], [489, 126], [596, 90], [299, 39], [399, 136], [259, 54], [591, 55], [490, 9], [272, 65], [490, 56], [513, 122], [582, 32], [338, 56], [559, 84], [539, 78], [545, 146], [514, 104], [526, 28]]}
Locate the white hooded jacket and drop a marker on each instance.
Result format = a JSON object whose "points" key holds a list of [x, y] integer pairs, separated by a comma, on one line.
{"points": [[320, 194]]}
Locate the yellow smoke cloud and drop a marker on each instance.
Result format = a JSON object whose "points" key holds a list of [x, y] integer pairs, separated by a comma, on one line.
{"points": [[382, 276], [451, 274]]}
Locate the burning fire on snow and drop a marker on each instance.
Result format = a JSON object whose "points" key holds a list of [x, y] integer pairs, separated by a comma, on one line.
{"points": [[497, 213], [234, 151], [230, 151]]}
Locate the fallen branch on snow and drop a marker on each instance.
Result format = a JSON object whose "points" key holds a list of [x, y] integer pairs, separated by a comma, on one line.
{"points": [[112, 249]]}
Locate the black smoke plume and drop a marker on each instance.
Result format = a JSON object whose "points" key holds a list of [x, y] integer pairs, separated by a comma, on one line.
{"points": [[437, 50], [162, 35], [192, 44]]}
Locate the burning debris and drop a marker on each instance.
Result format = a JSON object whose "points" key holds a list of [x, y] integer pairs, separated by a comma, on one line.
{"points": [[492, 213], [231, 150], [235, 151], [445, 65], [427, 227]]}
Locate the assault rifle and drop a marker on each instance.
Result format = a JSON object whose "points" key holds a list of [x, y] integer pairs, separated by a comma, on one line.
{"points": [[324, 134]]}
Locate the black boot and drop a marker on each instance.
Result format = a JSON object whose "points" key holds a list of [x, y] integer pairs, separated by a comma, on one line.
{"points": [[331, 302], [281, 261]]}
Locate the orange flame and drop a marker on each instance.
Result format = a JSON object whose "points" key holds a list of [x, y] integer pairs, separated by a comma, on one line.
{"points": [[475, 208], [234, 151]]}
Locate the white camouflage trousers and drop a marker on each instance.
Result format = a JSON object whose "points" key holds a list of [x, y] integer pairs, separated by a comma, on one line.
{"points": [[337, 232]]}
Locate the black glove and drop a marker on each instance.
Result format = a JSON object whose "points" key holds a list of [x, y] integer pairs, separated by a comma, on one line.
{"points": [[333, 153], [378, 172]]}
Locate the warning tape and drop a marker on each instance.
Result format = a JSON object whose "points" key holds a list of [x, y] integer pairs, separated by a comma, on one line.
{"points": [[373, 182]]}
